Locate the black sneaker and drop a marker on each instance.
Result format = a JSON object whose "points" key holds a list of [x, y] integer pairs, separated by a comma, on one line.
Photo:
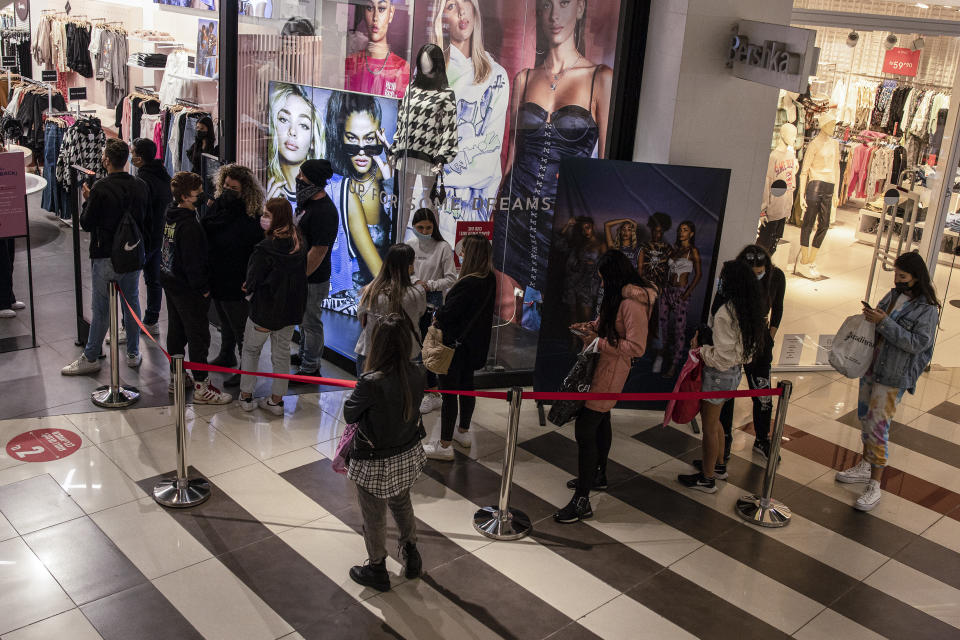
{"points": [[599, 482], [698, 482], [719, 470], [761, 447], [232, 381], [295, 360], [371, 575], [305, 372], [411, 560], [224, 359], [576, 509]]}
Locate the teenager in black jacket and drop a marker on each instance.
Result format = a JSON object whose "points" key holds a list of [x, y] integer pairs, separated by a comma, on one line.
{"points": [[386, 455], [186, 283], [277, 283], [143, 156], [465, 319], [233, 230]]}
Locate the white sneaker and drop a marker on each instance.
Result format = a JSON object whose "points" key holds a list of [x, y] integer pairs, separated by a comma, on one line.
{"points": [[134, 360], [16, 306], [267, 405], [871, 496], [465, 440], [187, 383], [121, 337], [152, 329], [81, 367], [658, 365], [206, 393], [436, 451], [859, 473], [430, 403], [247, 404], [808, 270], [10, 313]]}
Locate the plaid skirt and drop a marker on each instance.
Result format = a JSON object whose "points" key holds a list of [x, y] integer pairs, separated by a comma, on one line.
{"points": [[388, 477]]}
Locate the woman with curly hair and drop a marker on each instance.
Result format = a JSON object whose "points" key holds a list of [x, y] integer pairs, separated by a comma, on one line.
{"points": [[296, 135], [232, 227]]}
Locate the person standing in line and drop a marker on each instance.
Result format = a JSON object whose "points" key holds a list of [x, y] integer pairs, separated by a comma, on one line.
{"points": [[186, 283], [434, 266], [392, 291], [319, 222], [739, 329], [205, 142], [621, 334], [465, 319], [103, 209], [9, 305], [773, 285], [155, 176], [386, 456], [232, 227], [277, 283], [906, 321]]}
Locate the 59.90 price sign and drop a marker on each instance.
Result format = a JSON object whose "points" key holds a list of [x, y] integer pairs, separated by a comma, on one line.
{"points": [[901, 61]]}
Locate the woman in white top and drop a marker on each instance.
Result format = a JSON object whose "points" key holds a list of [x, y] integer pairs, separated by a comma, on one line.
{"points": [[392, 291], [684, 276], [434, 267], [483, 94]]}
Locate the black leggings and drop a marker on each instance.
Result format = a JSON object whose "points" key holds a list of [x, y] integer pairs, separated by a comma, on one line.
{"points": [[460, 378], [594, 437], [233, 323], [758, 377]]}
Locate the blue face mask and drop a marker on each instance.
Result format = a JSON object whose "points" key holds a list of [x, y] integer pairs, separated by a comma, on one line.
{"points": [[422, 236], [760, 275]]}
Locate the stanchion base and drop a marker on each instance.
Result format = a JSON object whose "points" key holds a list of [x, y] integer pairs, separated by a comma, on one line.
{"points": [[192, 492], [492, 523], [774, 515], [122, 396]]}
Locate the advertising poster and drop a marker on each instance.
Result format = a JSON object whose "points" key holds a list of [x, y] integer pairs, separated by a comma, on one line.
{"points": [[667, 220], [13, 191], [209, 5], [378, 40], [341, 126], [208, 42]]}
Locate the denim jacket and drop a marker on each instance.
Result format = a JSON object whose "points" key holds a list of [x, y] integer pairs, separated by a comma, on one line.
{"points": [[907, 343]]}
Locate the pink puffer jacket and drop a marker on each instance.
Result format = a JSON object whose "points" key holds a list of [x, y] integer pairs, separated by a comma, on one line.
{"points": [[613, 367]]}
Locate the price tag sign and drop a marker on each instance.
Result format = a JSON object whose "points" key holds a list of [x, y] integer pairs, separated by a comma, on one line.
{"points": [[48, 76], [901, 61], [8, 62], [77, 93]]}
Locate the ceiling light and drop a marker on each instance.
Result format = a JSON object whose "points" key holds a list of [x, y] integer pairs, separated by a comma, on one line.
{"points": [[890, 42], [918, 43]]}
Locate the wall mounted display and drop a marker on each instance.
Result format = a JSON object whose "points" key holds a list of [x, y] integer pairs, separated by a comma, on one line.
{"points": [[208, 42], [210, 5], [377, 48]]}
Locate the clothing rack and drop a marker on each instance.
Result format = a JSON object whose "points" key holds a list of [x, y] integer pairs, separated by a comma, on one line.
{"points": [[905, 81], [188, 103]]}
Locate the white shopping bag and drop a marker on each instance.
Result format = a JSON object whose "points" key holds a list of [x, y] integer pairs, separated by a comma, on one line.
{"points": [[853, 346]]}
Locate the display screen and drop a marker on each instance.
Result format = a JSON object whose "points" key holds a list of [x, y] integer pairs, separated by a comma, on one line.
{"points": [[341, 126]]}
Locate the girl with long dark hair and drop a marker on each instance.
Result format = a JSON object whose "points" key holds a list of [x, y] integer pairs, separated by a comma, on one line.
{"points": [[739, 327], [620, 331], [386, 457], [206, 142], [906, 321]]}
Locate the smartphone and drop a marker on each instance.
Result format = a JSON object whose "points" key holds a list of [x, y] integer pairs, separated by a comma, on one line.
{"points": [[866, 304]]}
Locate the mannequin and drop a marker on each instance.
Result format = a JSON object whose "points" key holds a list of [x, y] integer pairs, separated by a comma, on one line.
{"points": [[819, 177], [775, 209], [426, 136]]}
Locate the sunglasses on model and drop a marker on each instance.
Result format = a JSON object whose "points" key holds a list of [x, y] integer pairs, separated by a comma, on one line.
{"points": [[754, 258], [369, 149]]}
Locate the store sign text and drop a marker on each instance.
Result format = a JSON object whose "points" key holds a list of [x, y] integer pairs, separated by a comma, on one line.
{"points": [[771, 55]]}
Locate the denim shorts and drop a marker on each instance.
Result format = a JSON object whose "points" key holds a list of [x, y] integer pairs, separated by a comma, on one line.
{"points": [[716, 380]]}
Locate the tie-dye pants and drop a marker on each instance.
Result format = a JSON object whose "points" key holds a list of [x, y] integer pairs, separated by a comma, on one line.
{"points": [[876, 406]]}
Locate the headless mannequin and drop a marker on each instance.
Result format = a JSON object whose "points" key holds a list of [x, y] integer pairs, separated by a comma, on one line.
{"points": [[775, 209], [819, 177]]}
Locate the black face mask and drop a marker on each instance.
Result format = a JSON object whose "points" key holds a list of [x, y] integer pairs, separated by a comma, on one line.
{"points": [[903, 287], [229, 195], [201, 135], [305, 192]]}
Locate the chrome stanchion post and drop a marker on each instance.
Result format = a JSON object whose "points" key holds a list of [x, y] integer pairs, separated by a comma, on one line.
{"points": [[763, 510], [114, 395], [181, 491], [500, 522]]}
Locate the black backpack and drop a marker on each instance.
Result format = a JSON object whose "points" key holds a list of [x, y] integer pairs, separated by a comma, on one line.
{"points": [[127, 254]]}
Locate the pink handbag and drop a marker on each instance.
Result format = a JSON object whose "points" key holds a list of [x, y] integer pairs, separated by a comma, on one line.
{"points": [[343, 448], [690, 379]]}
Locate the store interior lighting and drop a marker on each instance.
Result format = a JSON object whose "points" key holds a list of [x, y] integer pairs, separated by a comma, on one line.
{"points": [[890, 42]]}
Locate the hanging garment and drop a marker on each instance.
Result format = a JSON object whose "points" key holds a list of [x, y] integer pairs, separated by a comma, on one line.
{"points": [[82, 145]]}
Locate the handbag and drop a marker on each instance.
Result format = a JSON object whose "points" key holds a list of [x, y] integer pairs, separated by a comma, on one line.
{"points": [[578, 380], [853, 347], [438, 193], [690, 379], [341, 458], [436, 355]]}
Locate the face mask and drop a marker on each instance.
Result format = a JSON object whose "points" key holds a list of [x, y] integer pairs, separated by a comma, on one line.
{"points": [[902, 287], [201, 135], [760, 275], [265, 223], [229, 195], [422, 236], [305, 191]]}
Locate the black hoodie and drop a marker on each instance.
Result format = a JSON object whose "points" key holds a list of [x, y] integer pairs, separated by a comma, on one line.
{"points": [[231, 237], [159, 198], [183, 258], [278, 281], [109, 198]]}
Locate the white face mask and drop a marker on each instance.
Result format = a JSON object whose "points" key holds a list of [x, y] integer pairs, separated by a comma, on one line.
{"points": [[422, 236], [760, 275]]}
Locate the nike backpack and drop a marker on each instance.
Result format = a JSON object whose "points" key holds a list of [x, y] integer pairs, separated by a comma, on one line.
{"points": [[127, 253]]}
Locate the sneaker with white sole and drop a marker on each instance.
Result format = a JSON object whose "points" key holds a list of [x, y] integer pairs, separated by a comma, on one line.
{"points": [[267, 405], [870, 497], [205, 393], [430, 403], [121, 337], [81, 367], [134, 360], [17, 306], [8, 313], [698, 482], [464, 439], [187, 383], [858, 473], [247, 404], [152, 329], [436, 451]]}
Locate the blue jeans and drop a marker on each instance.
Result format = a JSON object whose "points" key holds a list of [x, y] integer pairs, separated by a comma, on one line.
{"points": [[103, 273], [311, 327], [151, 278], [186, 141], [54, 198]]}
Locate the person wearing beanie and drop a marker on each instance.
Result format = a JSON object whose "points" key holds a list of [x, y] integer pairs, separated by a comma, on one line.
{"points": [[319, 222]]}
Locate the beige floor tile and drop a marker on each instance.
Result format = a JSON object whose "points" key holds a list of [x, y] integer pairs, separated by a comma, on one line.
{"points": [[928, 394], [150, 537], [623, 618], [894, 509], [945, 532], [447, 511], [268, 497], [294, 459], [29, 591], [936, 426], [264, 435], [70, 624], [219, 605], [919, 590], [6, 529], [102, 426], [830, 625]]}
